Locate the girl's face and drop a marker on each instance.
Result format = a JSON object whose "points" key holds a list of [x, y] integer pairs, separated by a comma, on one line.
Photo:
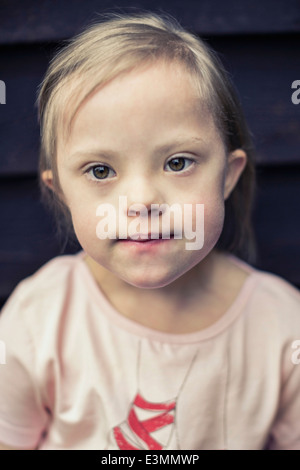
{"points": [[146, 137]]}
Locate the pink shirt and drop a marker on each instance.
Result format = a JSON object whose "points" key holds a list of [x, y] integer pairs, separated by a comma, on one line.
{"points": [[79, 375]]}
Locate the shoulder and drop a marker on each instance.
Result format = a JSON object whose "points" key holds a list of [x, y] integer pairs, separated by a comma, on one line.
{"points": [[55, 270], [47, 287], [269, 285], [277, 294], [279, 303], [271, 300], [277, 289]]}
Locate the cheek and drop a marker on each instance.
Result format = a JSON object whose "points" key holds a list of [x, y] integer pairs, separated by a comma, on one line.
{"points": [[209, 220], [214, 221], [214, 211], [84, 222]]}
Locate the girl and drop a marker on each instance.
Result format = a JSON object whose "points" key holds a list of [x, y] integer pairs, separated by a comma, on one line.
{"points": [[144, 340]]}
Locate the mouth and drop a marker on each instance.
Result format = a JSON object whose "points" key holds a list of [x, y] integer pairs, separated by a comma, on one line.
{"points": [[150, 237], [148, 245]]}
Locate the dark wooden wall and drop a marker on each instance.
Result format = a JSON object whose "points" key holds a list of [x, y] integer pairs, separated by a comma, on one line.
{"points": [[259, 43]]}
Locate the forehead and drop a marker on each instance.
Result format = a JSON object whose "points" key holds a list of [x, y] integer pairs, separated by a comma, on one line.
{"points": [[151, 98], [78, 89], [150, 87]]}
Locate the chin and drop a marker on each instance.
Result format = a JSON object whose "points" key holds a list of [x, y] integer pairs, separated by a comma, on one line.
{"points": [[150, 282]]}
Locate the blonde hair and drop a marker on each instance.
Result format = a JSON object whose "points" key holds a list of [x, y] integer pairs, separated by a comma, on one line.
{"points": [[118, 43]]}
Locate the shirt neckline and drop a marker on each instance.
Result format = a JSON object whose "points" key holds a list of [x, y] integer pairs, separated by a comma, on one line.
{"points": [[137, 329]]}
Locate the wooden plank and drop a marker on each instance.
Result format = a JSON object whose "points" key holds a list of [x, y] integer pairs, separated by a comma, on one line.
{"points": [[22, 69], [277, 221], [44, 20], [264, 89], [263, 69]]}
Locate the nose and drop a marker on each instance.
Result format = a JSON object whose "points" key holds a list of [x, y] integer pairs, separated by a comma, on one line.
{"points": [[144, 195]]}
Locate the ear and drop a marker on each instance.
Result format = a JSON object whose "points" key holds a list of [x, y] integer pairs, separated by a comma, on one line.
{"points": [[236, 162], [47, 178]]}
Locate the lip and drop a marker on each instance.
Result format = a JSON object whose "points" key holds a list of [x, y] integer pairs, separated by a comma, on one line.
{"points": [[146, 238], [146, 245]]}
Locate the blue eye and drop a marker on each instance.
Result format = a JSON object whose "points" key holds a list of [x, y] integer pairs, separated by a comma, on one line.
{"points": [[100, 172], [179, 163]]}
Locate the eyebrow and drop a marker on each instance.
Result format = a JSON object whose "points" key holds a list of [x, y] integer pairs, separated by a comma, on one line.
{"points": [[110, 154]]}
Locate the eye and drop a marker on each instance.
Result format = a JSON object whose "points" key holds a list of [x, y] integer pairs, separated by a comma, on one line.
{"points": [[179, 163], [100, 172]]}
